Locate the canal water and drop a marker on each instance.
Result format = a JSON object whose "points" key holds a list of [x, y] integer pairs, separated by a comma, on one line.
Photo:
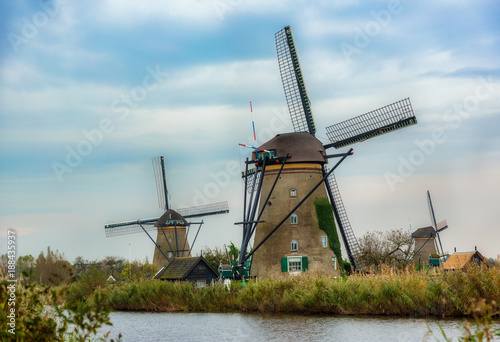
{"points": [[140, 326]]}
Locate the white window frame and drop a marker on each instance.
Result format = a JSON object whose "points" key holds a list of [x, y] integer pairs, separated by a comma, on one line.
{"points": [[334, 261], [293, 192], [294, 264], [324, 241], [294, 242], [294, 219]]}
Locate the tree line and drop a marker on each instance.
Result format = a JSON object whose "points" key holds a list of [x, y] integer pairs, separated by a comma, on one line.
{"points": [[52, 268]]}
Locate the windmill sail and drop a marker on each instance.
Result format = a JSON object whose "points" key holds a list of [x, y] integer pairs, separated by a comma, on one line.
{"points": [[161, 182], [441, 226], [130, 227], [377, 122], [431, 210], [205, 210], [350, 241], [433, 220], [293, 82]]}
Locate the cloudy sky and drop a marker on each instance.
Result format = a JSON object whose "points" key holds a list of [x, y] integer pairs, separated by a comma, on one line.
{"points": [[91, 91]]}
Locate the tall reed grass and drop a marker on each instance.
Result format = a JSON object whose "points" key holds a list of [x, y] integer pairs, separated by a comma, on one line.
{"points": [[404, 293]]}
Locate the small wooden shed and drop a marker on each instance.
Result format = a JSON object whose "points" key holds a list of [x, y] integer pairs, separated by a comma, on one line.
{"points": [[193, 269]]}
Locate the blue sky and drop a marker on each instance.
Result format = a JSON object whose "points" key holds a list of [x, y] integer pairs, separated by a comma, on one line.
{"points": [[90, 92]]}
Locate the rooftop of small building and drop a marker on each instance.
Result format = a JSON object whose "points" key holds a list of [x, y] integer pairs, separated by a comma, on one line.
{"points": [[461, 259], [179, 268]]}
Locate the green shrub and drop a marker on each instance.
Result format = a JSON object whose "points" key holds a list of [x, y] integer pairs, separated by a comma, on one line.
{"points": [[38, 317]]}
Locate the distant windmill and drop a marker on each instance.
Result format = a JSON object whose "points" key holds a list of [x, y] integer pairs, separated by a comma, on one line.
{"points": [[424, 240], [172, 228], [438, 227], [289, 176]]}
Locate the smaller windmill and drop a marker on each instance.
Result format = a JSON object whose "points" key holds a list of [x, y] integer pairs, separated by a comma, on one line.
{"points": [[426, 241], [172, 227]]}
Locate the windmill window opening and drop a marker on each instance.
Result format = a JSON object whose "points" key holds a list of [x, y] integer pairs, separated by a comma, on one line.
{"points": [[295, 245], [176, 222], [293, 193], [169, 254], [324, 241], [266, 155], [293, 219], [334, 262]]}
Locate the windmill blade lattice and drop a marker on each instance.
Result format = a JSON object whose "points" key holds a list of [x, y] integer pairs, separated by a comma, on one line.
{"points": [[249, 178], [161, 182], [433, 221], [205, 210], [350, 241], [431, 210], [441, 226], [377, 122], [293, 82], [130, 227]]}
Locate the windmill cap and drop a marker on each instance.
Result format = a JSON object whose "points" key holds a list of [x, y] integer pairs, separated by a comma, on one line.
{"points": [[424, 232], [169, 218], [302, 147]]}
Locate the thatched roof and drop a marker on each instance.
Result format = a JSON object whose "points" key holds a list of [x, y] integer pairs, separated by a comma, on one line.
{"points": [[458, 261], [303, 147], [424, 233], [171, 216], [179, 268]]}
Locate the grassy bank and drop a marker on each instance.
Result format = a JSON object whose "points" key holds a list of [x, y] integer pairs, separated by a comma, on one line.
{"points": [[403, 294]]}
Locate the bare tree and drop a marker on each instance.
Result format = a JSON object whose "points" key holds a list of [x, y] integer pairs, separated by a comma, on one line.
{"points": [[389, 247]]}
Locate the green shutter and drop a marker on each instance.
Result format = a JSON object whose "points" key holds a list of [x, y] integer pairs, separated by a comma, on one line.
{"points": [[284, 264], [305, 264]]}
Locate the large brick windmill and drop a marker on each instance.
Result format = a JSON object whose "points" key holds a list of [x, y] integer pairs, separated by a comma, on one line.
{"points": [[172, 228], [291, 183]]}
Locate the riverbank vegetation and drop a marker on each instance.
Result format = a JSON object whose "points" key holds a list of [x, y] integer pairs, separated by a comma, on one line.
{"points": [[86, 303], [32, 312], [401, 293], [83, 294]]}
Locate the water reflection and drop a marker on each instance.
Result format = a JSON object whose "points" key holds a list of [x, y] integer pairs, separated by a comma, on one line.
{"points": [[137, 326]]}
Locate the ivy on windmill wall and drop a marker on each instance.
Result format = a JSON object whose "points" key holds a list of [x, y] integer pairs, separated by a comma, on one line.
{"points": [[327, 224]]}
